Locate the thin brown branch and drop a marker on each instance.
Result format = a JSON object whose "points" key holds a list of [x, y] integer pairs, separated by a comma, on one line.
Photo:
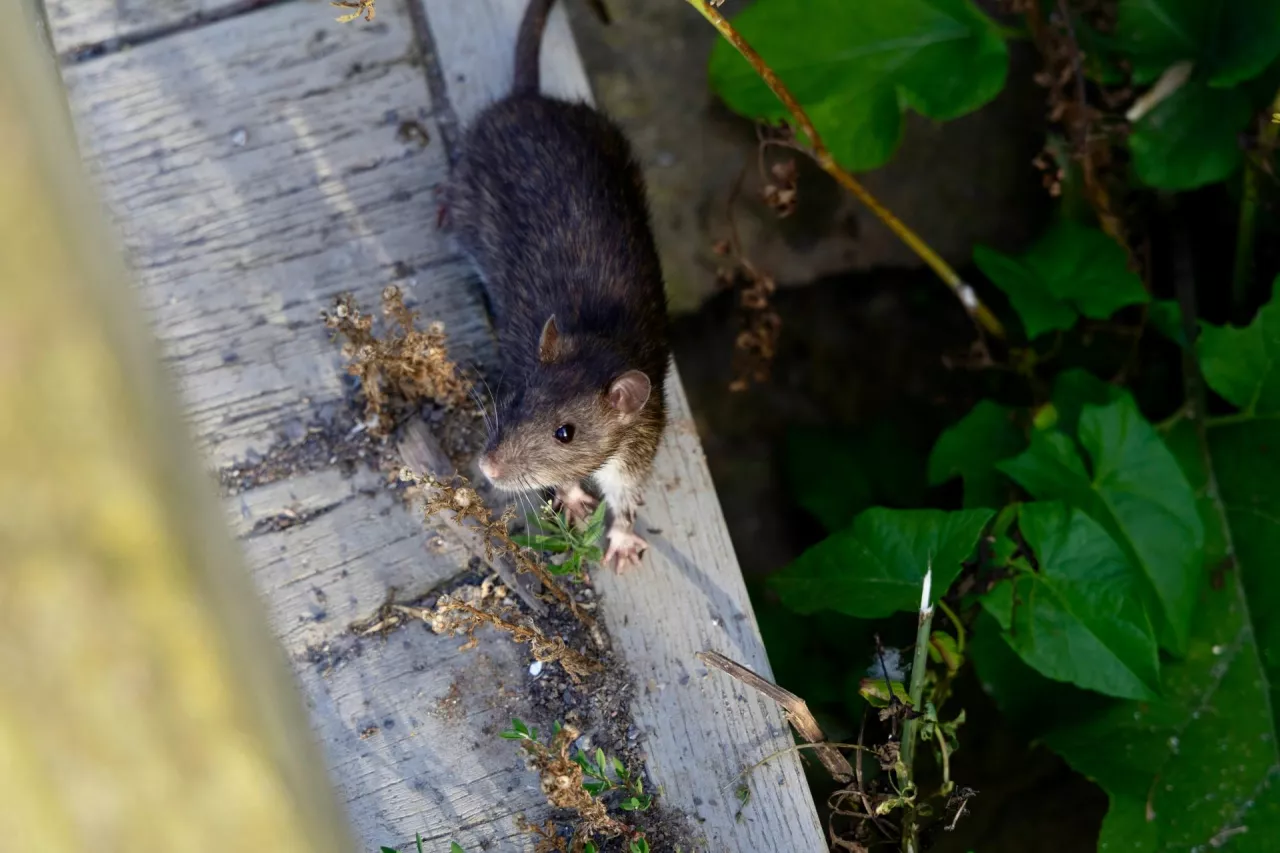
{"points": [[797, 711], [979, 312]]}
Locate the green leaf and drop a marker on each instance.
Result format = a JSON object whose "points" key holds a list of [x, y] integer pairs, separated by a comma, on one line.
{"points": [[876, 566], [388, 850], [1038, 309], [1189, 770], [1073, 390], [1239, 364], [971, 448], [1080, 618], [1070, 269], [1028, 701], [1137, 492], [1165, 316], [1229, 40], [1191, 138], [552, 542], [1248, 470], [454, 847], [854, 67], [837, 473]]}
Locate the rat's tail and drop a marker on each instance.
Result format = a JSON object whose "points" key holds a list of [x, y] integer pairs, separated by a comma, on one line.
{"points": [[528, 47]]}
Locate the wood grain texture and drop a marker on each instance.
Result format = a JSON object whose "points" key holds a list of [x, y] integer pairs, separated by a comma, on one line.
{"points": [[78, 24], [701, 729], [254, 169]]}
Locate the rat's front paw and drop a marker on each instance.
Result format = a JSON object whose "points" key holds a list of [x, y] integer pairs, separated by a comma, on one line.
{"points": [[625, 549], [576, 504]]}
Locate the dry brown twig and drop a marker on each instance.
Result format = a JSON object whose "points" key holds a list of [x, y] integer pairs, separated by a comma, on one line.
{"points": [[469, 607], [796, 709], [561, 779], [468, 510], [404, 367]]}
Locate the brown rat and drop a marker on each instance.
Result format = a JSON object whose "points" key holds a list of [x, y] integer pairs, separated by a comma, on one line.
{"points": [[549, 202]]}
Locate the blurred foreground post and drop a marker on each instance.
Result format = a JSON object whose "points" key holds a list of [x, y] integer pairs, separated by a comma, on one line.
{"points": [[144, 705]]}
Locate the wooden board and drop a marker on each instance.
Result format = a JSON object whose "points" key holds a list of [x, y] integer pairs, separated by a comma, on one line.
{"points": [[255, 168], [701, 729]]}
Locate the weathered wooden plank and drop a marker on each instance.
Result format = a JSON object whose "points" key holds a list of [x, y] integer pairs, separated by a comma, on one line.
{"points": [[143, 705], [259, 169], [700, 729], [77, 24], [255, 168]]}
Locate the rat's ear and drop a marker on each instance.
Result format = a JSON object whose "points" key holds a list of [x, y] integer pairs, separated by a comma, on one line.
{"points": [[549, 342], [629, 392]]}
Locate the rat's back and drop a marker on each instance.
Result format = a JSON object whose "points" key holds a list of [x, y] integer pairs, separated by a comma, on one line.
{"points": [[550, 204]]}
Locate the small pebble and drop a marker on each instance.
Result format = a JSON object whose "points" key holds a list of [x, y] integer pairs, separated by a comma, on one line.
{"points": [[239, 137], [535, 668]]}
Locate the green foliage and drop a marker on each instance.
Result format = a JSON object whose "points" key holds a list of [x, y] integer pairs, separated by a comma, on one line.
{"points": [[970, 450], [596, 769], [1188, 770], [875, 566], [1080, 617], [1071, 270], [454, 847], [835, 474], [1238, 363], [855, 67], [1191, 138], [1136, 491], [555, 535], [1090, 540], [1230, 40]]}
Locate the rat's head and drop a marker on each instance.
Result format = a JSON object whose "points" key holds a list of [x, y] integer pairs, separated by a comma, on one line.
{"points": [[567, 418]]}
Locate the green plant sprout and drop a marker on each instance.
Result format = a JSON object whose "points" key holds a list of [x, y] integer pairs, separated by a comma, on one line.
{"points": [[597, 771], [550, 531]]}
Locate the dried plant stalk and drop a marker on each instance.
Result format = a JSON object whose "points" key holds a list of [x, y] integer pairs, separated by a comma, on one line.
{"points": [[405, 367]]}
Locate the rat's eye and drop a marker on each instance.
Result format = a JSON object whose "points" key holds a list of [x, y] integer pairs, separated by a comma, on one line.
{"points": [[564, 434]]}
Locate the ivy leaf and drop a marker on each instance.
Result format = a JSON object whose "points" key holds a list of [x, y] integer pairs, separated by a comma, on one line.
{"points": [[1191, 138], [854, 67], [876, 566], [1136, 491], [1240, 364], [1231, 40], [971, 448], [1080, 617], [1071, 269], [1190, 770]]}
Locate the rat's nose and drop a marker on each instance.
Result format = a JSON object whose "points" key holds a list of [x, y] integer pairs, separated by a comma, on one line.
{"points": [[489, 467]]}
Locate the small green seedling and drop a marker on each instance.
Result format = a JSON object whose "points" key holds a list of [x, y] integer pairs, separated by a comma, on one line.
{"points": [[639, 846], [519, 731], [550, 531], [454, 847], [597, 770]]}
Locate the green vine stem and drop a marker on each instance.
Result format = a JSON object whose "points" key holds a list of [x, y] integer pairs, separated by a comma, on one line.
{"points": [[973, 306], [911, 727], [1243, 276]]}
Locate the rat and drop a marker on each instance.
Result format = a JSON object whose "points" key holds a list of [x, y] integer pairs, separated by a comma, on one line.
{"points": [[549, 202]]}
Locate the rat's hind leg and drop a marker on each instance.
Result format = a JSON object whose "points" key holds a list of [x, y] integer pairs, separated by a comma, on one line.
{"points": [[576, 503], [621, 487]]}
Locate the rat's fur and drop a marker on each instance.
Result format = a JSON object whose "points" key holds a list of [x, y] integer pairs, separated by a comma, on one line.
{"points": [[550, 203]]}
